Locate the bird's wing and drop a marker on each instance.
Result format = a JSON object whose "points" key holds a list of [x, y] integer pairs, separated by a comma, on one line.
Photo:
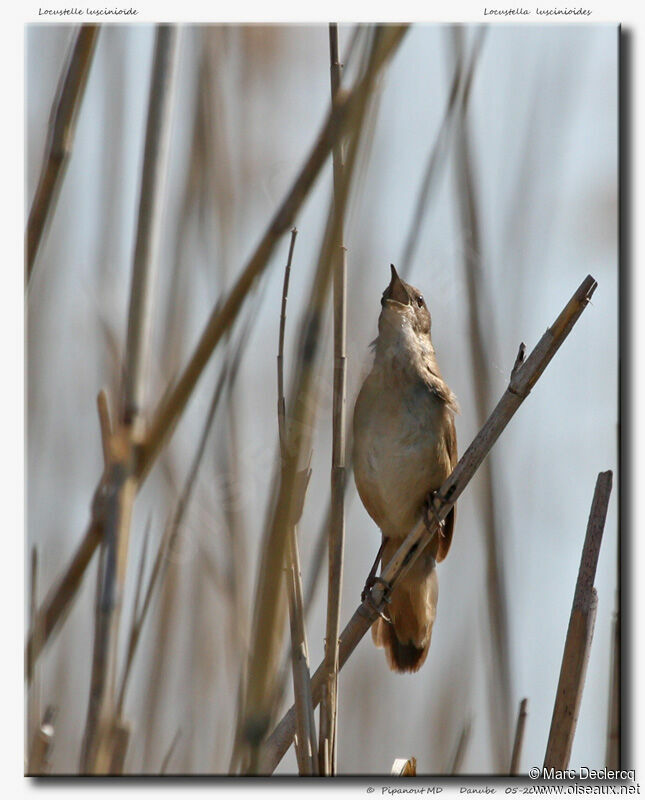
{"points": [[449, 522]]}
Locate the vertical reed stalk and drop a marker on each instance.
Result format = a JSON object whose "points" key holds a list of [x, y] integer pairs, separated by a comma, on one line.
{"points": [[166, 759], [612, 754], [121, 479], [60, 138], [459, 753], [329, 706], [480, 322], [306, 751], [266, 640], [121, 739], [519, 738], [41, 744], [438, 155], [33, 693], [579, 635]]}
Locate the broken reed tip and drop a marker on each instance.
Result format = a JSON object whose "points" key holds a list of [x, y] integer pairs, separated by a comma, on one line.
{"points": [[588, 287]]}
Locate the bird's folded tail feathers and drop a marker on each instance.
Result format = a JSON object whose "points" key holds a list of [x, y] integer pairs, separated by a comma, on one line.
{"points": [[400, 657]]}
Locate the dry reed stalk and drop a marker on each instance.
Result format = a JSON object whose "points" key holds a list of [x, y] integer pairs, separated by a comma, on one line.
{"points": [[458, 97], [404, 767], [579, 635], [41, 744], [316, 564], [159, 659], [612, 754], [120, 740], [211, 161], [306, 750], [54, 608], [171, 532], [460, 749], [282, 412], [329, 706], [150, 217], [103, 408], [166, 759], [60, 138], [140, 613], [525, 373], [266, 638], [162, 562], [500, 677], [121, 478], [33, 694], [61, 595], [518, 741], [315, 568], [613, 746]]}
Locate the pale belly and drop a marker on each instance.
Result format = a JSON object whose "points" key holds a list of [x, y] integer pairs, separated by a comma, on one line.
{"points": [[400, 454]]}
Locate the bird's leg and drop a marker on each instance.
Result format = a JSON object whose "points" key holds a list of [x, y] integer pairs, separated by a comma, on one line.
{"points": [[372, 579], [431, 511]]}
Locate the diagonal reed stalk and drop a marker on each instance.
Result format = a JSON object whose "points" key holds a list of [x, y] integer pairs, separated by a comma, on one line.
{"points": [[579, 635], [329, 705], [102, 737], [60, 139], [58, 600], [524, 375]]}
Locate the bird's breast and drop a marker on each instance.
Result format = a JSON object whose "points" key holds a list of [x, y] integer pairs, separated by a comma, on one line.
{"points": [[400, 451]]}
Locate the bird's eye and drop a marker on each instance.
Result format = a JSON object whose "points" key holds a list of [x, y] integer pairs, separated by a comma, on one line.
{"points": [[420, 300]]}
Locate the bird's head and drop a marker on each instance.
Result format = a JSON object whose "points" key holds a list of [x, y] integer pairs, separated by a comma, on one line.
{"points": [[404, 310]]}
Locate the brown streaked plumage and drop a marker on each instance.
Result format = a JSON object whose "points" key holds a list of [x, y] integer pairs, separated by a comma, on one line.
{"points": [[405, 446]]}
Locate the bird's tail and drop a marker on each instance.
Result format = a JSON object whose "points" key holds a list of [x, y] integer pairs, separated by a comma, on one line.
{"points": [[412, 610], [400, 657]]}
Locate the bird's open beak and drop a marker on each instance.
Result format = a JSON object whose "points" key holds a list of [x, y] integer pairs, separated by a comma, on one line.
{"points": [[396, 291]]}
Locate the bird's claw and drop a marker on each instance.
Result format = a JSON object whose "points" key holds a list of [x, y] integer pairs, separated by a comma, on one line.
{"points": [[366, 594], [431, 513]]}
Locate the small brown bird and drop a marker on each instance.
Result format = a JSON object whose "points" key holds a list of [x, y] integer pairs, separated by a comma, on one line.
{"points": [[405, 446]]}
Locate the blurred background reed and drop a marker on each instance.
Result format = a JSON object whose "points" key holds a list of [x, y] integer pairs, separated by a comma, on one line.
{"points": [[487, 172]]}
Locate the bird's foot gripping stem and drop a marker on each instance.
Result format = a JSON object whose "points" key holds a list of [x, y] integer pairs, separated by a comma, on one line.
{"points": [[366, 594], [373, 580], [431, 514]]}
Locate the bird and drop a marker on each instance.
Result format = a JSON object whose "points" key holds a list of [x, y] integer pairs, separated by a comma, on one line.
{"points": [[405, 446]]}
